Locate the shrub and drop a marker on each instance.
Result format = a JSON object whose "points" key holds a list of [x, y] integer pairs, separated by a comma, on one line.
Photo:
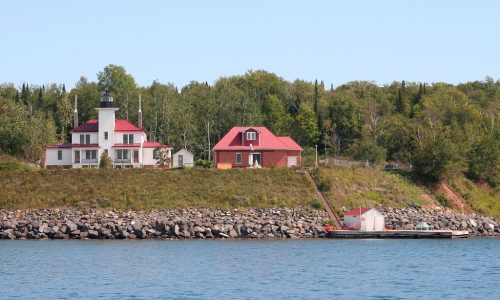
{"points": [[443, 200], [203, 163], [105, 162], [13, 165]]}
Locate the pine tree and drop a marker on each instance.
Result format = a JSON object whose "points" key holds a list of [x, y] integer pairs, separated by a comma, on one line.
{"points": [[402, 101]]}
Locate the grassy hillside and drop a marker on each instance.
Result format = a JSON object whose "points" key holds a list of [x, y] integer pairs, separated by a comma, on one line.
{"points": [[351, 187], [484, 200], [142, 189]]}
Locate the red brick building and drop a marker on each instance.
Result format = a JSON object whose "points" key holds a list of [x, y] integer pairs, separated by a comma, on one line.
{"points": [[244, 147]]}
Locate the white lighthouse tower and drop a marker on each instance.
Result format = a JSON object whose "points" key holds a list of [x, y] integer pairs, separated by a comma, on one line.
{"points": [[106, 121]]}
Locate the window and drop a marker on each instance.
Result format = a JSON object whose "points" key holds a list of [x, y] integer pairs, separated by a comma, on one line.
{"points": [[90, 154], [59, 154], [238, 158], [105, 135], [77, 157], [87, 139], [82, 139], [251, 136], [155, 154], [128, 138], [122, 154]]}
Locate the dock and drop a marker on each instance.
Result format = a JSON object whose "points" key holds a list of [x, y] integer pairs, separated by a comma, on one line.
{"points": [[398, 234]]}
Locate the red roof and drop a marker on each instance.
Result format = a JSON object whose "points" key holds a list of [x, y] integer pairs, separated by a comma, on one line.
{"points": [[60, 146], [144, 145], [85, 145], [93, 126], [126, 145], [124, 125], [267, 141], [89, 126], [155, 145], [289, 142], [356, 211]]}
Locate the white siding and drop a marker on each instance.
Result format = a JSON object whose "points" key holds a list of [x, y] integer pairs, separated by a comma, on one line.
{"points": [[51, 158], [371, 220], [147, 156], [187, 157], [75, 137], [106, 124]]}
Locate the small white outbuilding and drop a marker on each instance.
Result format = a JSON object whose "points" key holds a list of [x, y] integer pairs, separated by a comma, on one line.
{"points": [[364, 219], [183, 159]]}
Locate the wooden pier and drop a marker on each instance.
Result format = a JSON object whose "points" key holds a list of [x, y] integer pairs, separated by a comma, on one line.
{"points": [[398, 234]]}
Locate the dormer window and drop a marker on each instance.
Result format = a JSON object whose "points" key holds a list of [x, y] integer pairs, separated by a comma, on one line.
{"points": [[251, 136], [128, 138]]}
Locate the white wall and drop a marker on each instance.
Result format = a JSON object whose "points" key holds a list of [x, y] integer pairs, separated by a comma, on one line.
{"points": [[75, 137], [147, 156], [51, 157], [106, 123], [188, 158], [372, 220], [139, 137]]}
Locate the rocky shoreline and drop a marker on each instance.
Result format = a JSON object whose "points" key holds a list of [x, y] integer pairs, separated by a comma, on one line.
{"points": [[409, 217], [165, 224], [276, 223]]}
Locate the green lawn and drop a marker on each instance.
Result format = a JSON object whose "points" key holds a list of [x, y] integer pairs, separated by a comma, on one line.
{"points": [[143, 189]]}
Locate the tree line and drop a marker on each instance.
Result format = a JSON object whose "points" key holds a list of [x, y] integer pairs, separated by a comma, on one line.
{"points": [[439, 128]]}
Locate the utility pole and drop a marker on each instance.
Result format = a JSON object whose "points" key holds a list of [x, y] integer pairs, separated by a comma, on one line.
{"points": [[316, 164]]}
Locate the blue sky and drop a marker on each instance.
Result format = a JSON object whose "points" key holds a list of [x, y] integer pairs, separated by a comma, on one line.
{"points": [[180, 41]]}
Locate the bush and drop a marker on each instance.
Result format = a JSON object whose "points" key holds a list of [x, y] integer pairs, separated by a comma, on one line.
{"points": [[443, 200], [203, 163], [367, 150], [13, 165], [105, 162], [324, 185]]}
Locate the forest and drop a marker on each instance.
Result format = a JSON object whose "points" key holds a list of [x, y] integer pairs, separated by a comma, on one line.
{"points": [[441, 130]]}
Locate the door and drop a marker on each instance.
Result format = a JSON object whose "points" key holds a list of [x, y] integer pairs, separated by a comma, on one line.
{"points": [[292, 161], [136, 156], [77, 156], [180, 161], [256, 157]]}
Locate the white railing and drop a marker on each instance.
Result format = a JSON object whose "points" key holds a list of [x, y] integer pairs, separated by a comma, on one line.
{"points": [[88, 161], [122, 161]]}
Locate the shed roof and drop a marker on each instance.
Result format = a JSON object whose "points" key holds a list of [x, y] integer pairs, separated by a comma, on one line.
{"points": [[358, 211]]}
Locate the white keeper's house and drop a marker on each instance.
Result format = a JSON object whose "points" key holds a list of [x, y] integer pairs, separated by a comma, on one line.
{"points": [[125, 143]]}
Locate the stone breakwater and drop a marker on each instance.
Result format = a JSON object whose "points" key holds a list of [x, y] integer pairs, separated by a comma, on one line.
{"points": [[408, 218], [276, 223], [167, 224]]}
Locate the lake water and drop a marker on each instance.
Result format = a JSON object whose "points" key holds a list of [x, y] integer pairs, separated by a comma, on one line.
{"points": [[299, 269]]}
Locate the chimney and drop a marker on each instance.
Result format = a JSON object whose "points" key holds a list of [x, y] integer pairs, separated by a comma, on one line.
{"points": [[139, 114], [75, 114]]}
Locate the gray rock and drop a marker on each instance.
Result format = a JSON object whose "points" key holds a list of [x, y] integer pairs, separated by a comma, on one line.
{"points": [[136, 225], [233, 233], [176, 230], [223, 235], [93, 234]]}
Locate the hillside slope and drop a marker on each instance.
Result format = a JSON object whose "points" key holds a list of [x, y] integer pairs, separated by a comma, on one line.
{"points": [[352, 187], [142, 189]]}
